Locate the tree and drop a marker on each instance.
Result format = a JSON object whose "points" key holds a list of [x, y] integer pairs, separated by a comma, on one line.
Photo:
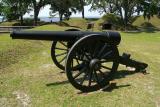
{"points": [[79, 6], [103, 6], [1, 7], [23, 7], [147, 7], [124, 8], [37, 5], [14, 10], [63, 7], [150, 8], [10, 9], [1, 10], [158, 12], [82, 4]]}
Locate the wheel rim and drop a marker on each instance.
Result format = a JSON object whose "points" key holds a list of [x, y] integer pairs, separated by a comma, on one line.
{"points": [[59, 51], [98, 62]]}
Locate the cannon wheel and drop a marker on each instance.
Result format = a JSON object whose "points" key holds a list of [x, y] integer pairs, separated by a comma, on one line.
{"points": [[59, 51], [98, 60]]}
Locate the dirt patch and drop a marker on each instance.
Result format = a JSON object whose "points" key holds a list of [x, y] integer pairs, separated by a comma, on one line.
{"points": [[47, 66], [22, 98], [17, 53], [44, 53], [158, 102], [8, 57], [4, 102]]}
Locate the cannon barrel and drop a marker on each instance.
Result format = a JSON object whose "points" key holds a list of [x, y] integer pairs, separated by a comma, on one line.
{"points": [[111, 37]]}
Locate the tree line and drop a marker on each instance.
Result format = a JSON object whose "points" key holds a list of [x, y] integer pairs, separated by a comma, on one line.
{"points": [[125, 9], [15, 9]]}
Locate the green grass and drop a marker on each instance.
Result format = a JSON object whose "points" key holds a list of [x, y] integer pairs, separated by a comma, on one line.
{"points": [[155, 21], [8, 23], [77, 22], [52, 27], [37, 81]]}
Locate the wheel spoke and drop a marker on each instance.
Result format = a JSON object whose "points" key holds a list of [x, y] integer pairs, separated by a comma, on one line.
{"points": [[81, 83], [106, 67], [61, 49], [80, 72], [102, 50], [90, 78], [95, 51], [87, 56], [77, 61], [102, 73], [58, 54], [61, 54], [106, 54], [62, 59], [77, 75], [72, 64], [84, 53], [91, 50], [96, 76], [63, 44]]}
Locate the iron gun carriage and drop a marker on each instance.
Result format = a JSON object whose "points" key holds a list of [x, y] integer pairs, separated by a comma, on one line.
{"points": [[90, 59]]}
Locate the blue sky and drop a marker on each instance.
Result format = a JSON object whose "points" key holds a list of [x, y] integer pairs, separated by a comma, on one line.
{"points": [[45, 13]]}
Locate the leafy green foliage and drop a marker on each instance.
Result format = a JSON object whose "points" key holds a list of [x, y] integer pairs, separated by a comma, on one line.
{"points": [[10, 10], [150, 8], [103, 6], [1, 8], [15, 9], [111, 18], [37, 5], [64, 7], [126, 9]]}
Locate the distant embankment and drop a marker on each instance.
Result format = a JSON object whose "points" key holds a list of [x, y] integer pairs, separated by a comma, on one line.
{"points": [[8, 29], [153, 22], [44, 19]]}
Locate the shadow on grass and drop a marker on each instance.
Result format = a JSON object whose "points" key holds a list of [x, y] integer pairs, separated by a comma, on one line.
{"points": [[109, 88], [114, 86], [123, 73], [57, 83], [119, 74], [146, 30]]}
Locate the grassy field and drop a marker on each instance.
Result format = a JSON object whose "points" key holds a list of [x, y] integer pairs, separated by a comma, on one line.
{"points": [[154, 21], [8, 23], [28, 77]]}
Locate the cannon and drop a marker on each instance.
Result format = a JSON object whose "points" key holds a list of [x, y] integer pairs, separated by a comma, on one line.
{"points": [[90, 59]]}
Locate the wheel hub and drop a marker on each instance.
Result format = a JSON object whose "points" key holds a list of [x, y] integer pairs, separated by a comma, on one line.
{"points": [[95, 64]]}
